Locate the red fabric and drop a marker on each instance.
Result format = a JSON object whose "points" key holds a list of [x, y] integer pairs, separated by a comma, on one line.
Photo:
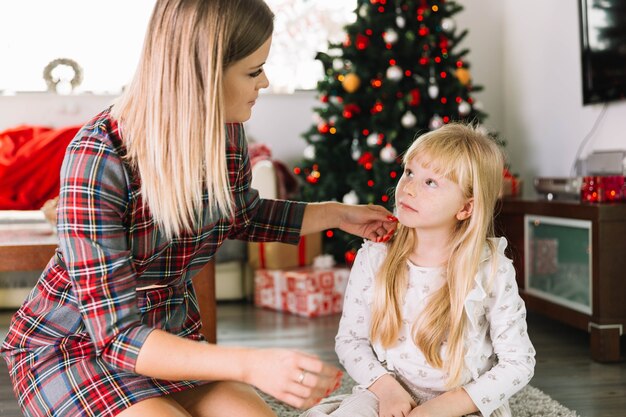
{"points": [[30, 161]]}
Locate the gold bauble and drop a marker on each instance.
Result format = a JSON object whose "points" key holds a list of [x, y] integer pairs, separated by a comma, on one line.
{"points": [[351, 82], [463, 75]]}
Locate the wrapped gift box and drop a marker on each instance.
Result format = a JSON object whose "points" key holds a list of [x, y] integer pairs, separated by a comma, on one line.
{"points": [[277, 255], [307, 292]]}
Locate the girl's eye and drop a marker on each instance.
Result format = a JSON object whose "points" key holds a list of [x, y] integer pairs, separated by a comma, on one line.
{"points": [[408, 173], [431, 183], [256, 73]]}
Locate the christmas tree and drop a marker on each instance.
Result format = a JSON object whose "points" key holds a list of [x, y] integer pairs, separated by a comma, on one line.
{"points": [[398, 73]]}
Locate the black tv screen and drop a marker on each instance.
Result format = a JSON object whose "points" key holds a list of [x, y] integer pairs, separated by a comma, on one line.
{"points": [[603, 50]]}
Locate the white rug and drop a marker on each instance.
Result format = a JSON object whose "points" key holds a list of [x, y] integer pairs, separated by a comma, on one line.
{"points": [[529, 402]]}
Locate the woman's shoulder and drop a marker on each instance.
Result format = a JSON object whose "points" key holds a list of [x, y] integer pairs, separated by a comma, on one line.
{"points": [[100, 134]]}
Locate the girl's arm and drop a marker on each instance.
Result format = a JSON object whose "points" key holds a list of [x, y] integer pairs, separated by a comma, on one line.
{"points": [[166, 356], [452, 403]]}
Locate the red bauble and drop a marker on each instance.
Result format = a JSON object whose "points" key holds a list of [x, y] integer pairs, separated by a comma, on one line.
{"points": [[362, 42], [416, 97], [366, 158], [350, 110]]}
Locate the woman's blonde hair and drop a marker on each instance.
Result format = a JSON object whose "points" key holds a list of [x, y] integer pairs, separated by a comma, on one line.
{"points": [[474, 161], [172, 114]]}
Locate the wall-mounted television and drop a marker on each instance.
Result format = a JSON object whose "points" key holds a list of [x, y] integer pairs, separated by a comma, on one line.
{"points": [[603, 50]]}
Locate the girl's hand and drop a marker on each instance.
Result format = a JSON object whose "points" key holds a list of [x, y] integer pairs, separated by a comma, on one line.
{"points": [[369, 221], [393, 400], [295, 378]]}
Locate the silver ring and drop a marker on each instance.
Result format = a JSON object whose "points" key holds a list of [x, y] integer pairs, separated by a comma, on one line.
{"points": [[301, 377]]}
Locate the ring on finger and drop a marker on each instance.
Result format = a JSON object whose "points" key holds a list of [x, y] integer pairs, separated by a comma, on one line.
{"points": [[302, 376]]}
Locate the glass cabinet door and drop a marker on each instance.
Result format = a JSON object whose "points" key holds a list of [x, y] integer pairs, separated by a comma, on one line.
{"points": [[558, 260]]}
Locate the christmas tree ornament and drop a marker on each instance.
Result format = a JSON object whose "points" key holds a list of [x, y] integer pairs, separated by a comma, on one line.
{"points": [[351, 198], [372, 140], [355, 149], [390, 36], [362, 42], [309, 152], [448, 24], [323, 127], [363, 11], [435, 122], [464, 108], [400, 22], [478, 105], [408, 120], [337, 64], [394, 73], [388, 154], [433, 88], [351, 82], [463, 75], [350, 110], [335, 100], [415, 97]]}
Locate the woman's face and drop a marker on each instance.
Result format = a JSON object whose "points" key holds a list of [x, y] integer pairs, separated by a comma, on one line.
{"points": [[242, 81]]}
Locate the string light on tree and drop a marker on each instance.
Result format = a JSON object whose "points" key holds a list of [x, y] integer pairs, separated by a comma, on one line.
{"points": [[390, 36], [394, 73]]}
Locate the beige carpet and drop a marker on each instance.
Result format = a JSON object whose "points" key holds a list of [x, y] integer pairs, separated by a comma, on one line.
{"points": [[529, 402]]}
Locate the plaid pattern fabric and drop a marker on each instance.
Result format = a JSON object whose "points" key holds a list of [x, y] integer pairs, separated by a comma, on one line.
{"points": [[72, 346]]}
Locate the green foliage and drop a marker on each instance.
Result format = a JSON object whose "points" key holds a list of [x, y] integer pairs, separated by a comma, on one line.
{"points": [[430, 85]]}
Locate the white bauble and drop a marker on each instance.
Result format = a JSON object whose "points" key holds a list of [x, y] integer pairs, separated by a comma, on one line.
{"points": [[478, 105], [337, 64], [363, 11], [351, 198], [388, 154], [394, 73], [435, 123], [372, 139], [448, 24], [433, 91], [464, 108], [408, 120], [390, 36], [309, 152], [400, 22]]}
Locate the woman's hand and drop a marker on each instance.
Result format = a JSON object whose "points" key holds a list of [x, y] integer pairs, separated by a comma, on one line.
{"points": [[295, 378], [393, 400], [369, 221]]}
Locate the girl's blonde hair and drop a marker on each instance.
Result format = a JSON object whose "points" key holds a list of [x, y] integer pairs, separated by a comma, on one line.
{"points": [[172, 114], [474, 161]]}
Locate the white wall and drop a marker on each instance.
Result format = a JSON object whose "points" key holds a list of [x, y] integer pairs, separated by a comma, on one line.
{"points": [[544, 118], [525, 54]]}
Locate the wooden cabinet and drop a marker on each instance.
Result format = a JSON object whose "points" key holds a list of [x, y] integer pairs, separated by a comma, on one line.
{"points": [[570, 260]]}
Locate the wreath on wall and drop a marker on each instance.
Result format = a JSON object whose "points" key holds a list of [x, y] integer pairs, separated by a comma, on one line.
{"points": [[54, 74]]}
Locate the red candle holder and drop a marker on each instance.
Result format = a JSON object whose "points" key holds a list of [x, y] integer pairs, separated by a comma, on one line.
{"points": [[600, 189]]}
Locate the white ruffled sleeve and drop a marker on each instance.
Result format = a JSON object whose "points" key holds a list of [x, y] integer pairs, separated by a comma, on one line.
{"points": [[352, 344]]}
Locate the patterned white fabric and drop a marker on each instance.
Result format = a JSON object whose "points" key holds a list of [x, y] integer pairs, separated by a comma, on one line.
{"points": [[499, 356]]}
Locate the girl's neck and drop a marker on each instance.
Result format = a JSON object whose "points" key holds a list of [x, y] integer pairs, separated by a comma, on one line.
{"points": [[431, 249]]}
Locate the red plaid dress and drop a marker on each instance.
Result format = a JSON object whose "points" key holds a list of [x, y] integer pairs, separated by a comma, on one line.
{"points": [[72, 346]]}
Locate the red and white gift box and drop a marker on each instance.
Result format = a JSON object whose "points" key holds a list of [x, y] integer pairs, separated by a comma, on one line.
{"points": [[307, 292]]}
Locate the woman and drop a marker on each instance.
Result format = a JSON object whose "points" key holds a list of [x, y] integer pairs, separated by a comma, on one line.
{"points": [[149, 190]]}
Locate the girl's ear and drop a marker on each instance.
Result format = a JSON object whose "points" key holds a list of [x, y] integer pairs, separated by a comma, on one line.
{"points": [[466, 211]]}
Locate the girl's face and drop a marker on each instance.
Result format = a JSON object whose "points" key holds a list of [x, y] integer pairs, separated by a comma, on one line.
{"points": [[428, 201], [242, 81]]}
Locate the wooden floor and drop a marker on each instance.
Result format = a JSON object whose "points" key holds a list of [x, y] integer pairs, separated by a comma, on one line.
{"points": [[564, 370]]}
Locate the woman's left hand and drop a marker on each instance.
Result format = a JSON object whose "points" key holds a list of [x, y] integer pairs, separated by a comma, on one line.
{"points": [[369, 221]]}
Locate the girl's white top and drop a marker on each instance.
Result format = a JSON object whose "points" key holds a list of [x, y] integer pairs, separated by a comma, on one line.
{"points": [[500, 358]]}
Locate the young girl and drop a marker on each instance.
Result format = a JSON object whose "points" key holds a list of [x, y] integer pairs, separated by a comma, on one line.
{"points": [[433, 324], [149, 190]]}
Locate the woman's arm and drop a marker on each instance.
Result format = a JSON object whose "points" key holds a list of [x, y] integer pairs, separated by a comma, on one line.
{"points": [[368, 221], [274, 371]]}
